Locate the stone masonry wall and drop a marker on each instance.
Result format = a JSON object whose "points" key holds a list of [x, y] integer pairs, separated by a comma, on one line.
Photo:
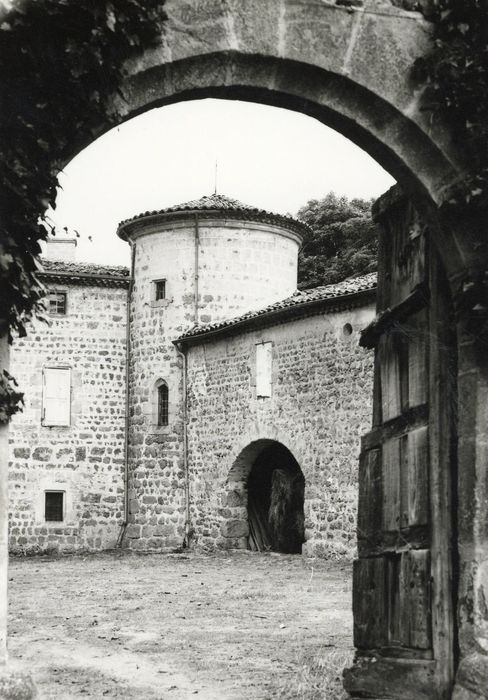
{"points": [[86, 459], [321, 404]]}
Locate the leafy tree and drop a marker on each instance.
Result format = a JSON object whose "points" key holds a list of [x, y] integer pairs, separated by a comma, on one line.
{"points": [[455, 75], [343, 240], [61, 61]]}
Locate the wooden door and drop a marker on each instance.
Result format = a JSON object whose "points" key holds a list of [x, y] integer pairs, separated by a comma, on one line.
{"points": [[402, 579]]}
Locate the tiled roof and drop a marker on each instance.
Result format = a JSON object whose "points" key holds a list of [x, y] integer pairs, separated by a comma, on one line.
{"points": [[331, 296], [82, 273], [220, 205]]}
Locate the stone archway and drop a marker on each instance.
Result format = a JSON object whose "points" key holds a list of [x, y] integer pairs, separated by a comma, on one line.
{"points": [[264, 499], [349, 67]]}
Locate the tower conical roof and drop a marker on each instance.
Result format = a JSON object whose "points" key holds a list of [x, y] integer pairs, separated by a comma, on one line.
{"points": [[216, 205]]}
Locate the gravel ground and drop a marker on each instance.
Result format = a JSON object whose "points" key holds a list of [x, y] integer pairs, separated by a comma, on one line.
{"points": [[219, 626]]}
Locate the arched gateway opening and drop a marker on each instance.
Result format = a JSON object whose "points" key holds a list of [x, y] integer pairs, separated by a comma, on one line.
{"points": [[275, 501], [266, 481]]}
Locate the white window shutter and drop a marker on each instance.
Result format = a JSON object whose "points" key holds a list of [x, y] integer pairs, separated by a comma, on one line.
{"points": [[263, 369], [56, 396]]}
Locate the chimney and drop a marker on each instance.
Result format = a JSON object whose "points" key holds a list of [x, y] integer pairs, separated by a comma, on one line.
{"points": [[61, 249]]}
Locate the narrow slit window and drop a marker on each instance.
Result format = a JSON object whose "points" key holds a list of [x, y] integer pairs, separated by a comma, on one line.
{"points": [[163, 405], [54, 506], [160, 286], [57, 303]]}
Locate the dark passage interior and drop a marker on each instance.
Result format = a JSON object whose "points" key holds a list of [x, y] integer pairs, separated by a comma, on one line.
{"points": [[275, 502]]}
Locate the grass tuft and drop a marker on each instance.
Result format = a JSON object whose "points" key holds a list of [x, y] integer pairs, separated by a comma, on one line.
{"points": [[319, 676]]}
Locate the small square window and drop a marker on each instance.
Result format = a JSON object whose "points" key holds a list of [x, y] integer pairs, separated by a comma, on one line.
{"points": [[160, 289], [54, 506], [57, 303]]}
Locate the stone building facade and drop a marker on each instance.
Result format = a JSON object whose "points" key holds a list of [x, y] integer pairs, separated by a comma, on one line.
{"points": [[67, 445], [165, 420], [318, 403]]}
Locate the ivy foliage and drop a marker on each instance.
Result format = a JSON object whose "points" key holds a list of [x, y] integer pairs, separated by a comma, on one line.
{"points": [[61, 62], [456, 76], [11, 400]]}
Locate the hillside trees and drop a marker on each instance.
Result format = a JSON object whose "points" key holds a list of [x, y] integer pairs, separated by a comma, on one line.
{"points": [[343, 241]]}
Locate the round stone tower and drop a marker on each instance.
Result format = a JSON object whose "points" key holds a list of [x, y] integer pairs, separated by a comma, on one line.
{"points": [[192, 264]]}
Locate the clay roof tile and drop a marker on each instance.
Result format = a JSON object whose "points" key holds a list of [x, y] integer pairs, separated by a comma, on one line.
{"points": [[301, 298], [220, 204]]}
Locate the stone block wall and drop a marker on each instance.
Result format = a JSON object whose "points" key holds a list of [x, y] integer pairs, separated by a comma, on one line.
{"points": [[86, 459], [320, 405]]}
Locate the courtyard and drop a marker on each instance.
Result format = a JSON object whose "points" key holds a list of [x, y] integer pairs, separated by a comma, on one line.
{"points": [[214, 626]]}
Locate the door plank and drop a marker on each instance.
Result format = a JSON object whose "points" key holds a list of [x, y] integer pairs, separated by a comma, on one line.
{"points": [[416, 332], [370, 494], [418, 477], [391, 485], [415, 628], [368, 603], [390, 377]]}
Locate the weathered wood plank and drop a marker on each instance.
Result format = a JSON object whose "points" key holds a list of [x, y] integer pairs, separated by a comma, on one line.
{"points": [[442, 400], [416, 250], [391, 485], [368, 603], [370, 494], [409, 255], [420, 616], [377, 409], [415, 331], [418, 477], [393, 599], [415, 625], [403, 359], [404, 483], [399, 259], [390, 377]]}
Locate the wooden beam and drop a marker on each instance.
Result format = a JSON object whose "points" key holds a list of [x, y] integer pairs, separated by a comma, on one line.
{"points": [[389, 318], [441, 427]]}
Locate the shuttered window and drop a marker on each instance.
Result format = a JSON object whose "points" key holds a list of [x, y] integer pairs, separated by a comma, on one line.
{"points": [[264, 362], [56, 396], [54, 506]]}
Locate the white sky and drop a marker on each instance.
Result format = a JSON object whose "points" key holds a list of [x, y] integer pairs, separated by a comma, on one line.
{"points": [[268, 157]]}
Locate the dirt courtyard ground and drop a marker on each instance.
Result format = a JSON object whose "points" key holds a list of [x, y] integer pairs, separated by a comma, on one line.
{"points": [[220, 626]]}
